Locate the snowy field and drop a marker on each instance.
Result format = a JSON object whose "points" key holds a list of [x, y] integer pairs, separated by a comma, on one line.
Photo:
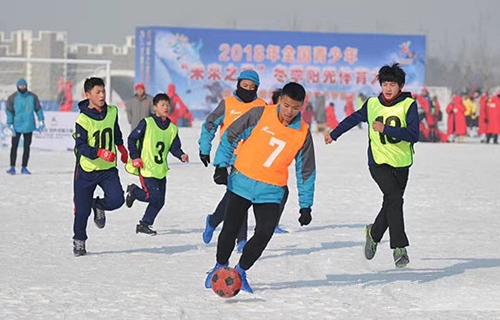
{"points": [[315, 272]]}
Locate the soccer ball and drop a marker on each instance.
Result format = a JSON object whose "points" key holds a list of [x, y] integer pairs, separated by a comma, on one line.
{"points": [[226, 282]]}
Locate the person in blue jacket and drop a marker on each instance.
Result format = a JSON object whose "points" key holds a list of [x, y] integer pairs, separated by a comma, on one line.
{"points": [[393, 129], [273, 137], [21, 109], [229, 110]]}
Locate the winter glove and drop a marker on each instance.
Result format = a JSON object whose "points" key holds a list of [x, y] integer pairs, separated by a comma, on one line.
{"points": [[123, 153], [185, 158], [41, 126], [106, 155], [137, 163], [305, 216], [220, 175], [205, 159], [12, 130]]}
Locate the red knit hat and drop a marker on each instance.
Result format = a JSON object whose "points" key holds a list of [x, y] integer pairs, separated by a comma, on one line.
{"points": [[140, 85]]}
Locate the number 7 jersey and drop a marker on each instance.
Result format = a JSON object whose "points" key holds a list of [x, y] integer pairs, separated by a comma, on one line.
{"points": [[266, 155]]}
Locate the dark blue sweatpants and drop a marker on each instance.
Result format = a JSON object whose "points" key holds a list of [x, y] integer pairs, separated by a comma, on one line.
{"points": [[84, 185], [153, 192]]}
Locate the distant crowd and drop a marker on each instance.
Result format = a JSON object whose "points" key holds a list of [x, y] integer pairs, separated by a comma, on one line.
{"points": [[472, 114]]}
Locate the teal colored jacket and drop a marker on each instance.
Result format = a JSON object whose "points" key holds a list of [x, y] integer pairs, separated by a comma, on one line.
{"points": [[21, 110], [260, 192]]}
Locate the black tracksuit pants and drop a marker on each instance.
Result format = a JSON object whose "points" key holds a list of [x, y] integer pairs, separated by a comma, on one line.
{"points": [[266, 218], [153, 192], [392, 182], [84, 185], [218, 216], [26, 148]]}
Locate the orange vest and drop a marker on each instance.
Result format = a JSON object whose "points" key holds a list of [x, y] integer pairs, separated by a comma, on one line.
{"points": [[235, 109], [266, 155]]}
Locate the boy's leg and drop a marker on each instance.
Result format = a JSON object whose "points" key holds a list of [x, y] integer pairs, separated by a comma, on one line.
{"points": [[392, 182], [13, 149], [26, 148], [83, 188], [218, 216], [283, 203], [380, 225], [242, 233], [156, 189], [113, 191], [278, 229], [141, 194], [266, 218], [237, 208]]}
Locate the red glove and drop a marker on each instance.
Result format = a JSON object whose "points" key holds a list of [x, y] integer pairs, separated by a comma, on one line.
{"points": [[137, 163], [106, 155], [124, 153]]}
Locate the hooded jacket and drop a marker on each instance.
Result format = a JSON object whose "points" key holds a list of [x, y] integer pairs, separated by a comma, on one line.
{"points": [[21, 109]]}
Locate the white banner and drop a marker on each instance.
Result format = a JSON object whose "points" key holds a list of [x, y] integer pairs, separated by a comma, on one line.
{"points": [[59, 127]]}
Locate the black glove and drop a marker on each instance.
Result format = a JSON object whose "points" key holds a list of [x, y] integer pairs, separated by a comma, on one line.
{"points": [[205, 159], [220, 175], [305, 216]]}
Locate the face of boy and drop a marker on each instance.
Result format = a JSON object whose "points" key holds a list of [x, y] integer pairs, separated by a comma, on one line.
{"points": [[390, 90], [97, 96], [289, 109], [161, 108]]}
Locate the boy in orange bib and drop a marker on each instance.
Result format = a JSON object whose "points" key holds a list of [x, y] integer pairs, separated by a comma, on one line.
{"points": [[273, 137]]}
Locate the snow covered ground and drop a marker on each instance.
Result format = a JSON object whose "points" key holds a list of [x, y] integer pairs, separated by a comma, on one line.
{"points": [[315, 272]]}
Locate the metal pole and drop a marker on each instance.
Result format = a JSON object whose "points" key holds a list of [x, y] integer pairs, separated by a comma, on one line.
{"points": [[108, 82]]}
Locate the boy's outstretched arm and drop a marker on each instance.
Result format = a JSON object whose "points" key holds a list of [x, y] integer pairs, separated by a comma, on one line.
{"points": [[350, 122], [209, 128], [176, 148]]}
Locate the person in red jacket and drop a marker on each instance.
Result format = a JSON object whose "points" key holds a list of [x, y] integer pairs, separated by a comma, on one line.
{"points": [[308, 111], [66, 104], [426, 127], [483, 116], [493, 118], [331, 116], [180, 114], [349, 106], [438, 116], [457, 125]]}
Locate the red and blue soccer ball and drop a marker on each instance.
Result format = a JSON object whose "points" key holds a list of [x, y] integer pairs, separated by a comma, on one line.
{"points": [[226, 282]]}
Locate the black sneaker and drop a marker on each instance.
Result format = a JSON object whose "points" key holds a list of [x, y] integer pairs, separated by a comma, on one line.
{"points": [[129, 199], [142, 228], [79, 248], [99, 215]]}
